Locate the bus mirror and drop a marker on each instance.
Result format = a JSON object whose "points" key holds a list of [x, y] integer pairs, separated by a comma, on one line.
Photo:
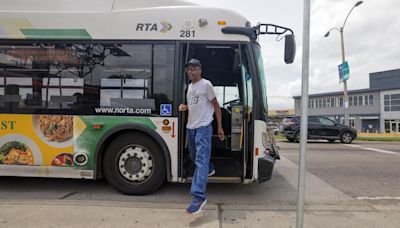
{"points": [[290, 48]]}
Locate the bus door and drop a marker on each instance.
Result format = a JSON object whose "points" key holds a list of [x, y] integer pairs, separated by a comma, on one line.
{"points": [[223, 66], [183, 83], [247, 107]]}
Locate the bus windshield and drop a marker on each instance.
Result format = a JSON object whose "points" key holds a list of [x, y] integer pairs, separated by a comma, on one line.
{"points": [[260, 66]]}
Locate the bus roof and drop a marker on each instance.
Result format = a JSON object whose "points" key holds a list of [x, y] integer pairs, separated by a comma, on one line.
{"points": [[116, 20]]}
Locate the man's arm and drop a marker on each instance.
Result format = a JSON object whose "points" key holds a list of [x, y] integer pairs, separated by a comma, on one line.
{"points": [[217, 110]]}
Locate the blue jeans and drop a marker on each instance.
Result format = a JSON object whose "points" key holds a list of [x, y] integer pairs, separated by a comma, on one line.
{"points": [[199, 143]]}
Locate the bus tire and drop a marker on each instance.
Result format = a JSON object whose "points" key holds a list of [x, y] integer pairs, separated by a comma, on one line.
{"points": [[134, 164]]}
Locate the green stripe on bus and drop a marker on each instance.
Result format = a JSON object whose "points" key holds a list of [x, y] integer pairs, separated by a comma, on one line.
{"points": [[56, 34]]}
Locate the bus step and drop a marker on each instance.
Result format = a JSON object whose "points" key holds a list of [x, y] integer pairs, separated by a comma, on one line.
{"points": [[214, 179]]}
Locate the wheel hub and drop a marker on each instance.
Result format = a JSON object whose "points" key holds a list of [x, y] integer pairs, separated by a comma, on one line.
{"points": [[135, 163]]}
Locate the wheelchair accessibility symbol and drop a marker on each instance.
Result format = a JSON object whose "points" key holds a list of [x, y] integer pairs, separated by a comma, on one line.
{"points": [[166, 109]]}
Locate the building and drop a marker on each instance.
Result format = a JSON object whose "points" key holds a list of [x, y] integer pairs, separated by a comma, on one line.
{"points": [[276, 116], [375, 109]]}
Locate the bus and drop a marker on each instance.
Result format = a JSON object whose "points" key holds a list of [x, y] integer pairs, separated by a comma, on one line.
{"points": [[92, 90]]}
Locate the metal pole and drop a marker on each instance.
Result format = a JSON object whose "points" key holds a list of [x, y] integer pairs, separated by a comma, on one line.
{"points": [[345, 94], [304, 114]]}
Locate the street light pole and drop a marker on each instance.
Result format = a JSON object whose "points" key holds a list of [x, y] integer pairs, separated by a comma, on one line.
{"points": [[345, 93]]}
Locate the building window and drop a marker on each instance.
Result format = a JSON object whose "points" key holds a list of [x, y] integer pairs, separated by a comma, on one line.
{"points": [[392, 126], [350, 101], [351, 122], [324, 102], [360, 100], [341, 102], [366, 100], [392, 102], [395, 102], [371, 99], [355, 101]]}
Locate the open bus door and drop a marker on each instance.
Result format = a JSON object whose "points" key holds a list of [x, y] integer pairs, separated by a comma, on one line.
{"points": [[224, 66], [182, 116]]}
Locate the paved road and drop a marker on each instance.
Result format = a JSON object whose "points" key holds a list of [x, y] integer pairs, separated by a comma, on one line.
{"points": [[336, 172], [346, 186], [361, 169]]}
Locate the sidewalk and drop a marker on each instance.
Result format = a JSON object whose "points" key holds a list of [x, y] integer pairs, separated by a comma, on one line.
{"points": [[62, 213]]}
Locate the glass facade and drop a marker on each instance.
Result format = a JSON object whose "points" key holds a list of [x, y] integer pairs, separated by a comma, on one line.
{"points": [[392, 102]]}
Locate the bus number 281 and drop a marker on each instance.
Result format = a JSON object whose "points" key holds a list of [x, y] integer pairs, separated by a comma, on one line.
{"points": [[187, 33]]}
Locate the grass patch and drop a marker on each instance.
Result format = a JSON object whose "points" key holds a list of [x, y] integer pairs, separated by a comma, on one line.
{"points": [[382, 139], [280, 137]]}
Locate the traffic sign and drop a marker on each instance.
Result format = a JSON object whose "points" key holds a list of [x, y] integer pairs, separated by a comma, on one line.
{"points": [[344, 72]]}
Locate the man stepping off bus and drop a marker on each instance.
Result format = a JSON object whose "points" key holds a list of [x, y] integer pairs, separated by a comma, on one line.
{"points": [[201, 104]]}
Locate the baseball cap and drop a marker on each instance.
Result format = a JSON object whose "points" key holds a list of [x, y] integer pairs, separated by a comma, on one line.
{"points": [[194, 62]]}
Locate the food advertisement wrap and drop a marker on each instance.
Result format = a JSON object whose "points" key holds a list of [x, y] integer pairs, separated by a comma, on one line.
{"points": [[50, 140], [40, 140]]}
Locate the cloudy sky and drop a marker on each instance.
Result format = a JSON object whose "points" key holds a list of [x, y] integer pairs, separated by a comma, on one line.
{"points": [[370, 37]]}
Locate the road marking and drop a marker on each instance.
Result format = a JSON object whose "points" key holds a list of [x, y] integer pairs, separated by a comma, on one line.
{"points": [[316, 188], [376, 150], [352, 145], [379, 198]]}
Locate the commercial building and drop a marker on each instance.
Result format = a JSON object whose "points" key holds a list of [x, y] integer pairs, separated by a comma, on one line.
{"points": [[276, 116], [375, 109]]}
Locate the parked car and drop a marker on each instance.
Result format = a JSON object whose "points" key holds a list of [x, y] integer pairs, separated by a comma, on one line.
{"points": [[319, 128], [274, 127], [283, 124]]}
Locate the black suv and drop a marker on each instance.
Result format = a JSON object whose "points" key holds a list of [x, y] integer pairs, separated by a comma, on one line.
{"points": [[319, 128]]}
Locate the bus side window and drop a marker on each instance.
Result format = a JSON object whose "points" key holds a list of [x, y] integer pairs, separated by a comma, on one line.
{"points": [[58, 78]]}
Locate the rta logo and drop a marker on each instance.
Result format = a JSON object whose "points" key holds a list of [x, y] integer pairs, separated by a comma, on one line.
{"points": [[163, 26]]}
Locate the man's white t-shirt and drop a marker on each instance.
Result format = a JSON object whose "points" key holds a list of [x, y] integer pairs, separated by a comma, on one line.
{"points": [[201, 110]]}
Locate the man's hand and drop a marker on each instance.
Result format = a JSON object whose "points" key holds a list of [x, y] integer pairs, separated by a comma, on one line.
{"points": [[183, 107], [221, 134]]}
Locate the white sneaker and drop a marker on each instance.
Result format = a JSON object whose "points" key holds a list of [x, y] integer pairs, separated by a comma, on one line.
{"points": [[211, 173]]}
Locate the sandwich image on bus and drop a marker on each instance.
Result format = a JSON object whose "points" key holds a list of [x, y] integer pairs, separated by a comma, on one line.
{"points": [[92, 91]]}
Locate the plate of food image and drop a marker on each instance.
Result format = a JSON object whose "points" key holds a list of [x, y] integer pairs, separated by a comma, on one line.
{"points": [[16, 149], [54, 130], [63, 160]]}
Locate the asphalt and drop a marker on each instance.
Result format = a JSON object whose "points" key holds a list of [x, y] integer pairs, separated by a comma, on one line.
{"points": [[336, 176], [360, 169]]}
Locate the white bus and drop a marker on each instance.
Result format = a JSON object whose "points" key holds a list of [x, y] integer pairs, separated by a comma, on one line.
{"points": [[91, 90]]}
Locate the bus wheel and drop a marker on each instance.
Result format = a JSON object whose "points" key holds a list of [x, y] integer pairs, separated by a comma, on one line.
{"points": [[134, 164]]}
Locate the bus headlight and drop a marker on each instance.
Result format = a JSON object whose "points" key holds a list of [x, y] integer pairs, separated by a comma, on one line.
{"points": [[80, 158], [265, 140]]}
